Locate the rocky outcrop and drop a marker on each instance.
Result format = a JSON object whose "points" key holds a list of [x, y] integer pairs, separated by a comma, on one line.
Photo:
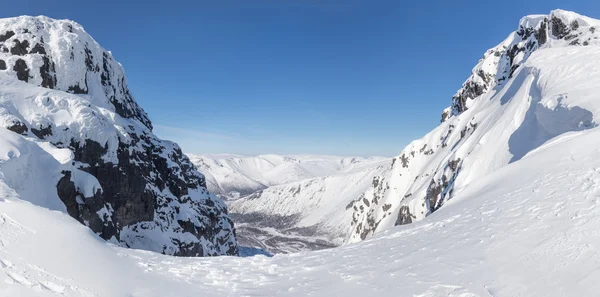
{"points": [[499, 63], [147, 194], [426, 173]]}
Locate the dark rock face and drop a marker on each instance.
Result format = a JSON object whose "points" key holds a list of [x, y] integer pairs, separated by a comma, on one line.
{"points": [[2, 65], [19, 48], [42, 132], [22, 70], [84, 209], [145, 185], [404, 216], [470, 90], [47, 72], [559, 29], [38, 49], [433, 195], [540, 33], [7, 35], [18, 128]]}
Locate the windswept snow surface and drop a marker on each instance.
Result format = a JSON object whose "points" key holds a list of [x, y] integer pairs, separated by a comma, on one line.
{"points": [[531, 228]]}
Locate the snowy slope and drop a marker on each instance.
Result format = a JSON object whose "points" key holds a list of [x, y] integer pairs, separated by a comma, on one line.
{"points": [[539, 83], [286, 204], [529, 229], [315, 208], [73, 139], [233, 175]]}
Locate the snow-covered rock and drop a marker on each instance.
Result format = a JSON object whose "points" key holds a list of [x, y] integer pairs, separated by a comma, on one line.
{"points": [[558, 29], [540, 82], [81, 144]]}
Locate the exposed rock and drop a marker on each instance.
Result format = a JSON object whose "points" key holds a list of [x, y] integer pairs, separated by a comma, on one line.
{"points": [[2, 65], [404, 216], [559, 29], [38, 49], [433, 195], [540, 34], [404, 159], [47, 72], [19, 48], [22, 70], [76, 89], [42, 132], [4, 37], [18, 128]]}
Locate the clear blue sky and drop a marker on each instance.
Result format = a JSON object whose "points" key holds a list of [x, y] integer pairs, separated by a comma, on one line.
{"points": [[296, 76]]}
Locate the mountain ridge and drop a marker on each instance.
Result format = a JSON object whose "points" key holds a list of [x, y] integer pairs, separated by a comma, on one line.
{"points": [[237, 175]]}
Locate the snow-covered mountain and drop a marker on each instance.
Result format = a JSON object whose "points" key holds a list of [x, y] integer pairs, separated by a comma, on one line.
{"points": [[539, 83], [517, 215], [234, 175], [276, 222], [530, 228], [73, 139]]}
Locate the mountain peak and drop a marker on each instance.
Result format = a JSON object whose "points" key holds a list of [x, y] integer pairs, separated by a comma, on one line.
{"points": [[560, 28], [88, 149], [61, 55]]}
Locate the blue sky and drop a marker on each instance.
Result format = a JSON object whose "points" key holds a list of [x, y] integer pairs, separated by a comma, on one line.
{"points": [[296, 76]]}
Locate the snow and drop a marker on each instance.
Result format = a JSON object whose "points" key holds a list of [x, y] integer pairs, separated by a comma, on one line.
{"points": [[503, 199], [529, 229]]}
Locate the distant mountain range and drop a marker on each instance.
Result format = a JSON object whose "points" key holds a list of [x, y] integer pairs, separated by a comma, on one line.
{"points": [[233, 176]]}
